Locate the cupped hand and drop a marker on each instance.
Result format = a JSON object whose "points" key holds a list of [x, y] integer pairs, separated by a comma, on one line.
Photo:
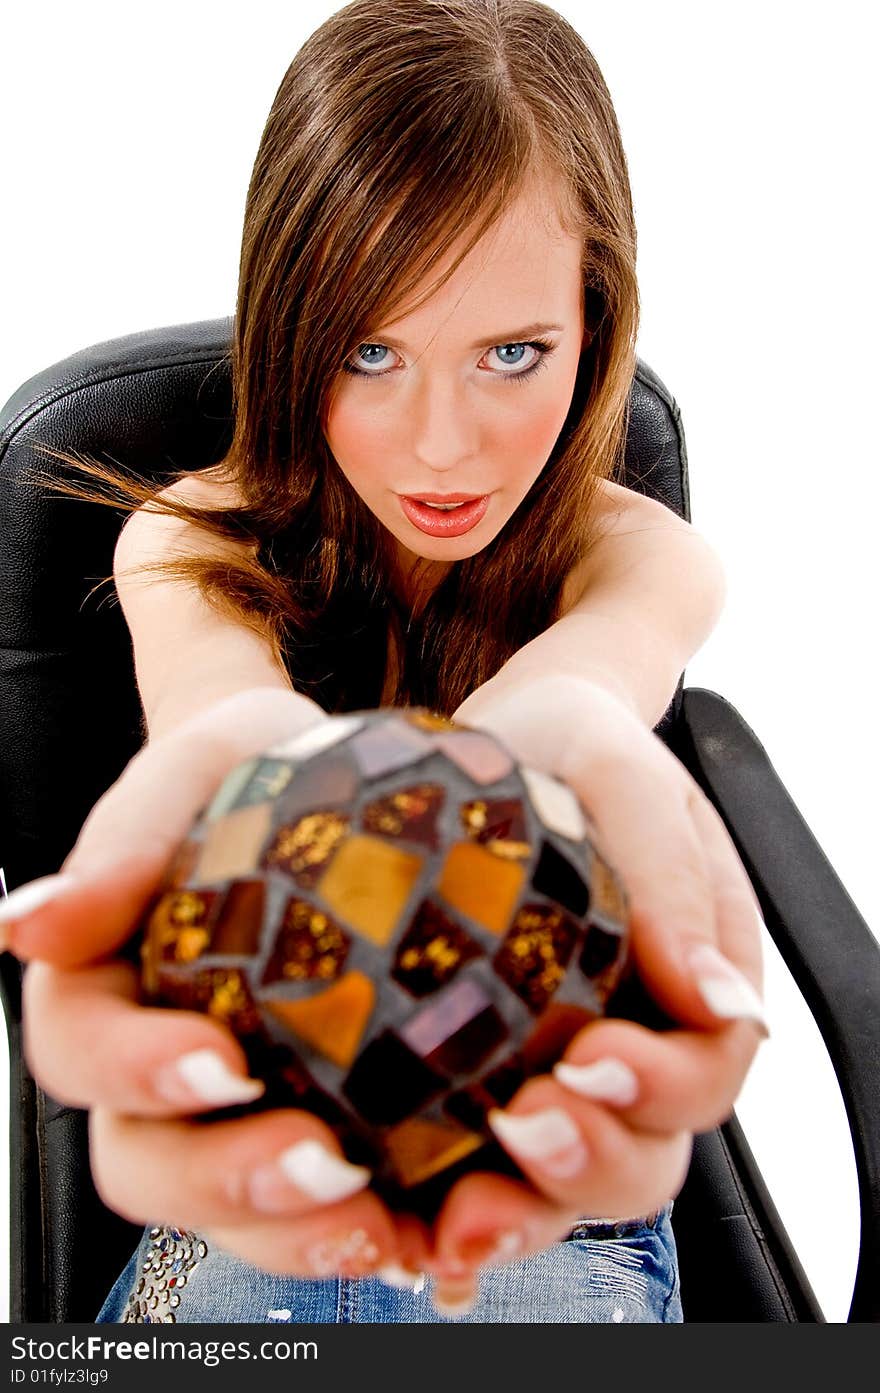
{"points": [[609, 1132], [275, 1188]]}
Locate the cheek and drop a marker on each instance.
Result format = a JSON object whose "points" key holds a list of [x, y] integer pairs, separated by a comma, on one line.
{"points": [[356, 439], [529, 434]]}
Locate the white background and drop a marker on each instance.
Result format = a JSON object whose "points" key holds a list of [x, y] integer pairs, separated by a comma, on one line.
{"points": [[129, 135]]}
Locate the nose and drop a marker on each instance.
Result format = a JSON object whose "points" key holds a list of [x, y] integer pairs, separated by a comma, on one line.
{"points": [[442, 427]]}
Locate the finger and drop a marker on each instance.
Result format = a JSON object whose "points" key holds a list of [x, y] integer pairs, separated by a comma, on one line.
{"points": [[576, 1152], [87, 1040], [263, 1170], [659, 1082], [661, 834], [133, 832], [488, 1220]]}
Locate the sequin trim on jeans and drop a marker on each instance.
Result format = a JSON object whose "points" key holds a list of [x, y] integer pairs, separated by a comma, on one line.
{"points": [[172, 1257]]}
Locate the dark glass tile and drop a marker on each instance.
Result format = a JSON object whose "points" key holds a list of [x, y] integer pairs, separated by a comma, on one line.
{"points": [[305, 847], [601, 949], [557, 1026], [431, 951], [238, 926], [308, 944], [421, 1147], [410, 812], [499, 824], [534, 954], [221, 991], [470, 1104], [557, 878], [387, 1082], [457, 1029]]}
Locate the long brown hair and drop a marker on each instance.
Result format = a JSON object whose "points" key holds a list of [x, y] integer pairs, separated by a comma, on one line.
{"points": [[422, 121]]}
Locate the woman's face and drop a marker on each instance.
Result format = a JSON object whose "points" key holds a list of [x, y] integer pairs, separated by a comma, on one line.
{"points": [[454, 399]]}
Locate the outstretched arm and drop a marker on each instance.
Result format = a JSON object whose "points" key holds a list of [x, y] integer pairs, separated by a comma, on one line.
{"points": [[651, 593]]}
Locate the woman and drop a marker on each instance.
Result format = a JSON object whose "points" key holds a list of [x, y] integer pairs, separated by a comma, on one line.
{"points": [[440, 200]]}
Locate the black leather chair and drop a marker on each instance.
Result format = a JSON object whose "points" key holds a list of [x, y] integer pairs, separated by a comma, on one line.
{"points": [[70, 719]]}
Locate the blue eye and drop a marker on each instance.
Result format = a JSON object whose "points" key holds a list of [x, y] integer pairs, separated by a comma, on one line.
{"points": [[541, 346]]}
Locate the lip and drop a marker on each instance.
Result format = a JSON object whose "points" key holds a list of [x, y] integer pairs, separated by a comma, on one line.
{"points": [[443, 497], [451, 524]]}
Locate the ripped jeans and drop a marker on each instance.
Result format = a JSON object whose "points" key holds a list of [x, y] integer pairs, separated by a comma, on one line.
{"points": [[601, 1271]]}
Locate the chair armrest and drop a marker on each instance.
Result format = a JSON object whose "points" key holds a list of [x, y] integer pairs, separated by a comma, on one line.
{"points": [[823, 939]]}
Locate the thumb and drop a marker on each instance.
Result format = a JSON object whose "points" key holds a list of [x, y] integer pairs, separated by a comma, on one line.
{"points": [[133, 833]]}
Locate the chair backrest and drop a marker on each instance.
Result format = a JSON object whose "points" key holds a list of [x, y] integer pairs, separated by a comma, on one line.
{"points": [[71, 719]]}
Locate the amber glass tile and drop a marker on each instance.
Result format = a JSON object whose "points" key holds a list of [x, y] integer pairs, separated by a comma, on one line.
{"points": [[553, 1031], [388, 1081], [420, 1147], [533, 957], [410, 812], [428, 720], [457, 1029], [480, 885], [221, 991], [233, 843], [601, 951], [178, 928], [368, 884], [391, 745], [332, 1021], [431, 951], [499, 825], [477, 755], [556, 877], [303, 848], [237, 928], [308, 944], [608, 896], [230, 790]]}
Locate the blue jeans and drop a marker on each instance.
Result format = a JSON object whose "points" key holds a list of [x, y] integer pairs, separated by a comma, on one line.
{"points": [[601, 1271]]}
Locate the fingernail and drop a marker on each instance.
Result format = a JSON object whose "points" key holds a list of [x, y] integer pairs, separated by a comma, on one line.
{"points": [[549, 1137], [397, 1276], [452, 1299], [26, 898], [342, 1252], [311, 1169], [489, 1249], [204, 1075], [724, 988], [608, 1079]]}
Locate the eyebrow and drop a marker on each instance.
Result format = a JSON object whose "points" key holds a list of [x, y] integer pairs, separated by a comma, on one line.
{"points": [[508, 336]]}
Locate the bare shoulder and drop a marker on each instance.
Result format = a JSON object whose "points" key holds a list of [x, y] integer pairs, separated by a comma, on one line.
{"points": [[619, 511], [149, 534]]}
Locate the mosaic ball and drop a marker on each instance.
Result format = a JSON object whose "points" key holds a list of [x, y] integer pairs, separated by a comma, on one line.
{"points": [[401, 924]]}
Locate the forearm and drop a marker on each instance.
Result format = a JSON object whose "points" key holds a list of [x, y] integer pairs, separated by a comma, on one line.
{"points": [[641, 619]]}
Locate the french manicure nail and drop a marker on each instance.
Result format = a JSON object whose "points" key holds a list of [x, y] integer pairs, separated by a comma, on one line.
{"points": [[397, 1276], [451, 1300], [549, 1137], [205, 1076], [26, 898], [609, 1080], [724, 988], [311, 1169]]}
